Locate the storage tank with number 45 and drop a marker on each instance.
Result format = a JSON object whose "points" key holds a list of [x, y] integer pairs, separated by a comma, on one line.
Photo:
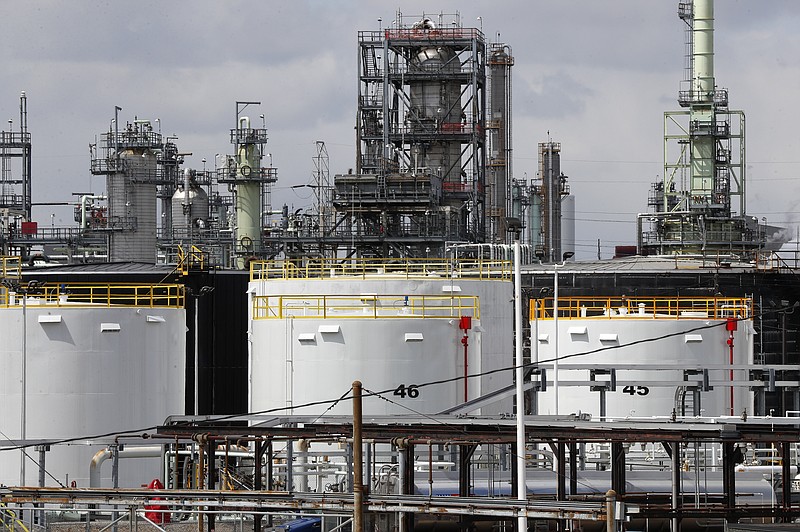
{"points": [[644, 356]]}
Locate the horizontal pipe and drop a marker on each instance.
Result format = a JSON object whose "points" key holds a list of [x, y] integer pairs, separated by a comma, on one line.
{"points": [[102, 455]]}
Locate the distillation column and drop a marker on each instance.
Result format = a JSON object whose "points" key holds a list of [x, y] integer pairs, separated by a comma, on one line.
{"points": [[553, 190], [251, 183], [131, 189], [498, 129], [248, 193]]}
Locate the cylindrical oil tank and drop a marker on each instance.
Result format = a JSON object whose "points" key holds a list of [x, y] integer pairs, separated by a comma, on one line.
{"points": [[666, 353], [132, 207], [89, 372], [311, 338], [189, 209]]}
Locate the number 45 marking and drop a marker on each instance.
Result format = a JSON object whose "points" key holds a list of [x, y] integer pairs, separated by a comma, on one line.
{"points": [[636, 390], [411, 390]]}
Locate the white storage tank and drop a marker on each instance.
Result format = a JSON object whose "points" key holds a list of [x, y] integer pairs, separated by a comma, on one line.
{"points": [[93, 366], [393, 326], [667, 353]]}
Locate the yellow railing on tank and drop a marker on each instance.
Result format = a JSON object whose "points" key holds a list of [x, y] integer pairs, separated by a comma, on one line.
{"points": [[717, 308], [94, 295], [12, 268], [364, 306], [365, 268]]}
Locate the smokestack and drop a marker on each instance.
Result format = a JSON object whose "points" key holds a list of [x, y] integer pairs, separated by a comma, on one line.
{"points": [[703, 51]]}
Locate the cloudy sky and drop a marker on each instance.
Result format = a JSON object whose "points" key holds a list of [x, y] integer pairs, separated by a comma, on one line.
{"points": [[597, 75]]}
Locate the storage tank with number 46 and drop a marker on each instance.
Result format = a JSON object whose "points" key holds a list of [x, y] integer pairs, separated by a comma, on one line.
{"points": [[410, 331]]}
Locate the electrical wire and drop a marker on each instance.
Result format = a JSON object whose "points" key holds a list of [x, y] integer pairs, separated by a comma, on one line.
{"points": [[242, 417]]}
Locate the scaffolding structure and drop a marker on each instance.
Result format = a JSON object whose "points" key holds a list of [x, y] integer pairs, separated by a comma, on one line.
{"points": [[15, 177], [421, 140]]}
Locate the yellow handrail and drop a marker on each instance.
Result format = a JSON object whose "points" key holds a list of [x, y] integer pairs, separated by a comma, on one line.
{"points": [[12, 268], [643, 308], [190, 259], [364, 306], [98, 294], [325, 268], [10, 519]]}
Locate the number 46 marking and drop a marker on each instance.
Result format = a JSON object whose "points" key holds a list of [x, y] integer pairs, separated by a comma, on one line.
{"points": [[636, 390], [411, 390]]}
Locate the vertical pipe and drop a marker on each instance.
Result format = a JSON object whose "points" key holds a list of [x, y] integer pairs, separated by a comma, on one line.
{"points": [[201, 480], [728, 481], [24, 391], [358, 488], [555, 338], [561, 472], [611, 501], [270, 485], [258, 451], [675, 450], [402, 468], [786, 490], [175, 465], [573, 468], [730, 356], [535, 354], [42, 470], [522, 493], [196, 355], [302, 462], [212, 479], [115, 448]]}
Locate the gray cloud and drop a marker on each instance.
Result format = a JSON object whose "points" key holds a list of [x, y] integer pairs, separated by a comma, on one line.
{"points": [[598, 75]]}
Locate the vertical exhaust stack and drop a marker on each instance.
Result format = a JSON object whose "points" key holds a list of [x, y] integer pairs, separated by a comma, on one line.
{"points": [[702, 111], [694, 208], [703, 50]]}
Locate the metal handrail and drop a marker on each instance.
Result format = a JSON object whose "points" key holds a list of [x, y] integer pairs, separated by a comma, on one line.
{"points": [[659, 308], [365, 306], [324, 268], [97, 295], [12, 267]]}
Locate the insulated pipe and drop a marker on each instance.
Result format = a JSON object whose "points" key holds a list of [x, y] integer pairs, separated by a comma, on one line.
{"points": [[128, 452]]}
